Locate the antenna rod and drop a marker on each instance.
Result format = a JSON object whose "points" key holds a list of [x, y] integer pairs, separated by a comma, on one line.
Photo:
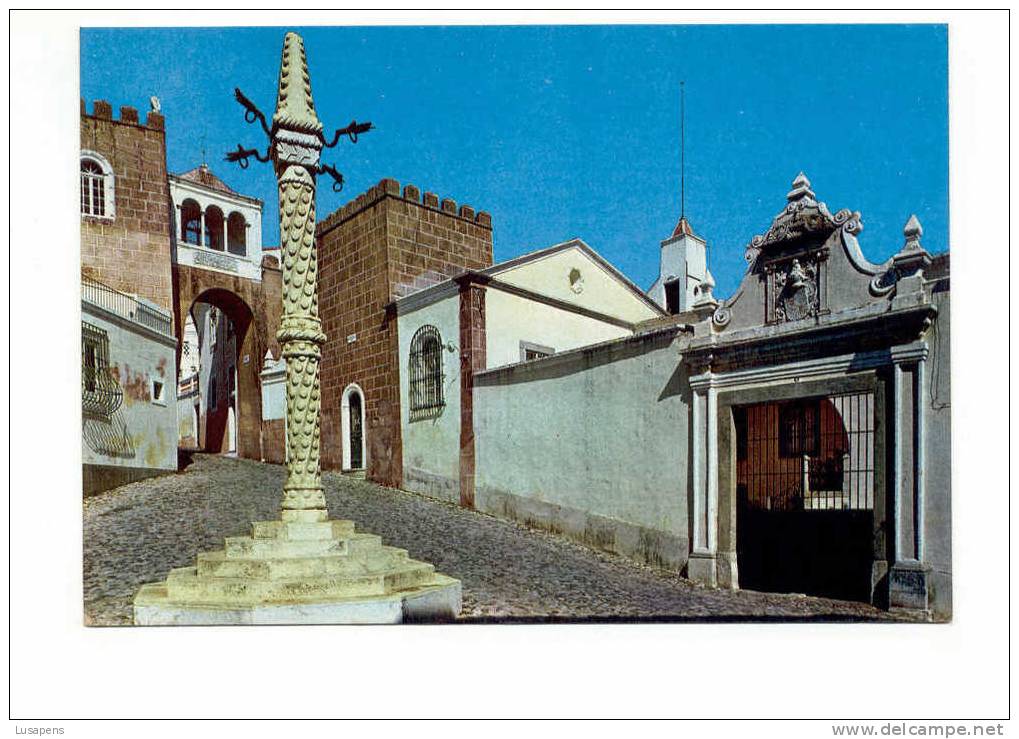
{"points": [[682, 149]]}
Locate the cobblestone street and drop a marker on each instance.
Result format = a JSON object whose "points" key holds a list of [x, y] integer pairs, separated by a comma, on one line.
{"points": [[137, 533]]}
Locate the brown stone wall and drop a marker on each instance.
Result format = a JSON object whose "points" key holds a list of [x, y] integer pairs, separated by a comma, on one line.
{"points": [[131, 252], [380, 246]]}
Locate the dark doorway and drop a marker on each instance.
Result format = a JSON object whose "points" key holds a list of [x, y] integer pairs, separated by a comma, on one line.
{"points": [[356, 432], [672, 297], [805, 496]]}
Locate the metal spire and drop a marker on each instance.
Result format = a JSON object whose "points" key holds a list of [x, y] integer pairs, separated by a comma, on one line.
{"points": [[682, 149]]}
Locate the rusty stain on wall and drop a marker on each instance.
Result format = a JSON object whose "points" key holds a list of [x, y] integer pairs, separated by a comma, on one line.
{"points": [[136, 385]]}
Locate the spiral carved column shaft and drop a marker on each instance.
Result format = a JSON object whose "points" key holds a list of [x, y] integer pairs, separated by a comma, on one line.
{"points": [[301, 337]]}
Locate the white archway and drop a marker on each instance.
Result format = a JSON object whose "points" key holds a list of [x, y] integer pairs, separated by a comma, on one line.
{"points": [[353, 427]]}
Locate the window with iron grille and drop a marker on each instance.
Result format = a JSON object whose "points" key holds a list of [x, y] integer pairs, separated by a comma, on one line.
{"points": [[814, 454], [101, 394], [426, 373], [96, 187], [798, 429]]}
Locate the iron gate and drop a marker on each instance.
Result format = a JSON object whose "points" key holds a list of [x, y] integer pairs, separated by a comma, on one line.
{"points": [[805, 493]]}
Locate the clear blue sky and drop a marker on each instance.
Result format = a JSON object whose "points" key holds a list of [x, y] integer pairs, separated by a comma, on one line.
{"points": [[565, 131]]}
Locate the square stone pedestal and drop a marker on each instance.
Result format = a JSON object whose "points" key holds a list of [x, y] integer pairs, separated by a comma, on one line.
{"points": [[702, 569], [438, 602], [300, 571], [909, 587]]}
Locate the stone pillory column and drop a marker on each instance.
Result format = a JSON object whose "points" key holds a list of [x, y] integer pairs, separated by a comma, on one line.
{"points": [[303, 568], [296, 145]]}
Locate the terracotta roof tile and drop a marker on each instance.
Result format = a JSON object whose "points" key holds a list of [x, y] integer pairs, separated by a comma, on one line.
{"points": [[202, 175]]}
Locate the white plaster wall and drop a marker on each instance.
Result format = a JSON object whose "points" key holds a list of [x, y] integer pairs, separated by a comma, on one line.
{"points": [[151, 428], [431, 447], [186, 420], [274, 392], [602, 431], [510, 319], [601, 291]]}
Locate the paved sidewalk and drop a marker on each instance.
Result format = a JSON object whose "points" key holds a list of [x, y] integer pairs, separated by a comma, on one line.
{"points": [[137, 533]]}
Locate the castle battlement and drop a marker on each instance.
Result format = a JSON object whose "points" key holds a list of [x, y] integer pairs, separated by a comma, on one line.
{"points": [[102, 110], [410, 193]]}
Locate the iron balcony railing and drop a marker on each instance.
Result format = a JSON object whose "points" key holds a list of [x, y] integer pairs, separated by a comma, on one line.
{"points": [[125, 305], [101, 394]]}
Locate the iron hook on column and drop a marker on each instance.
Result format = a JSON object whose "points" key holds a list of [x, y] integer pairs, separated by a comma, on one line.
{"points": [[336, 175], [251, 111]]}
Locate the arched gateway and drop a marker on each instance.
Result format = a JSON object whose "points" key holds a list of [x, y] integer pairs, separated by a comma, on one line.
{"points": [[231, 290]]}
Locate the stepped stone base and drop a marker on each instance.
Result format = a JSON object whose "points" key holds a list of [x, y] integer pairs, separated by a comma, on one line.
{"points": [[300, 571]]}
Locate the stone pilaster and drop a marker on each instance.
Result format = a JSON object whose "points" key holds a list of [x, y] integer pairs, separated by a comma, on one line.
{"points": [[702, 567], [908, 577]]}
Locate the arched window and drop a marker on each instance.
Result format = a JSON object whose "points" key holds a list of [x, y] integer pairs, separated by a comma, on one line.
{"points": [[96, 186], [214, 228], [190, 222], [352, 428], [236, 234], [426, 373]]}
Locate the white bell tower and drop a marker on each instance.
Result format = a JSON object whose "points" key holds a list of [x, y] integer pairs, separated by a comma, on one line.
{"points": [[683, 277]]}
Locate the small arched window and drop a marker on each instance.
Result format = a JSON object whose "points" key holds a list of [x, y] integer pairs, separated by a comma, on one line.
{"points": [[190, 222], [214, 228], [426, 373], [236, 234], [96, 186]]}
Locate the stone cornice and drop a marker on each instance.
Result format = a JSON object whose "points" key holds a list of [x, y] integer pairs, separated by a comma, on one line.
{"points": [[854, 332]]}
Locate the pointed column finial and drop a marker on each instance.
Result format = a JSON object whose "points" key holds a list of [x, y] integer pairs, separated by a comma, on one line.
{"points": [[912, 257], [913, 231], [801, 188], [294, 107]]}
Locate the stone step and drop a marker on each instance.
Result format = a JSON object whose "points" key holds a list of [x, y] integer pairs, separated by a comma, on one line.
{"points": [[250, 548], [218, 564], [184, 586], [354, 545], [302, 531], [363, 545]]}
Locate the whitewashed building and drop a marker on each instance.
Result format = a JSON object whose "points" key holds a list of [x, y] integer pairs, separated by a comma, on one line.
{"points": [[535, 306], [128, 393]]}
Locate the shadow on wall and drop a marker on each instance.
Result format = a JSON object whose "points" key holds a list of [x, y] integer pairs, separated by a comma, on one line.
{"points": [[574, 361], [107, 435]]}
